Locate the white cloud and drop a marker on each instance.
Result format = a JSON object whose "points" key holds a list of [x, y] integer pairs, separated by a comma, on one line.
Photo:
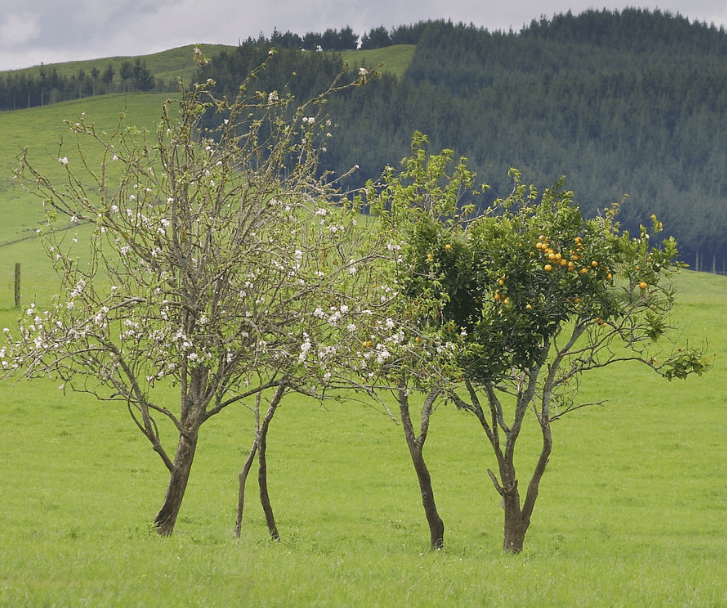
{"points": [[19, 28]]}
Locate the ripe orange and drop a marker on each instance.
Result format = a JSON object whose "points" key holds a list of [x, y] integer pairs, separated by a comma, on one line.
{"points": [[594, 263], [547, 268], [643, 284], [448, 246]]}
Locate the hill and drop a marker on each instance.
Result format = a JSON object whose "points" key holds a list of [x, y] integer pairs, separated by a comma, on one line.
{"points": [[628, 105], [167, 66], [41, 130]]}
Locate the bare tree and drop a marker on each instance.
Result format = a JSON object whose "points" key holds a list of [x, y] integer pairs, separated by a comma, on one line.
{"points": [[211, 252]]}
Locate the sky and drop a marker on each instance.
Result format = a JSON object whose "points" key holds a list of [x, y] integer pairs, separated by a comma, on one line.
{"points": [[48, 31]]}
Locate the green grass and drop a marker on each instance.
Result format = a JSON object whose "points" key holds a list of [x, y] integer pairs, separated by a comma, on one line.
{"points": [[631, 511], [167, 66], [395, 59], [40, 130]]}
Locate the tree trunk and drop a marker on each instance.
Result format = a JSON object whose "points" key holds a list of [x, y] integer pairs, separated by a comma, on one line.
{"points": [[515, 525], [243, 480], [436, 525], [416, 450], [178, 478], [263, 482]]}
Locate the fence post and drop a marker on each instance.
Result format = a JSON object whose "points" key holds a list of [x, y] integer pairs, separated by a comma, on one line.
{"points": [[17, 284]]}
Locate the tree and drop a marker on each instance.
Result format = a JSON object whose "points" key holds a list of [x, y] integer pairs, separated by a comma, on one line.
{"points": [[312, 41], [347, 40], [288, 40], [529, 299], [377, 38], [108, 76], [210, 254], [126, 73], [421, 363], [94, 77], [143, 78]]}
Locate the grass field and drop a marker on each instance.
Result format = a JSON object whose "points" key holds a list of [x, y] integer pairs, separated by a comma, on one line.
{"points": [[632, 509], [631, 513]]}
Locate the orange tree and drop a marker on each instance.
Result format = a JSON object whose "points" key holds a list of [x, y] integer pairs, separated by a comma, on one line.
{"points": [[528, 298]]}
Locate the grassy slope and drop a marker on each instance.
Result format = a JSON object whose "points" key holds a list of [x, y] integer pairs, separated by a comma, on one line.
{"points": [[40, 130], [170, 65], [631, 511], [393, 60], [166, 66]]}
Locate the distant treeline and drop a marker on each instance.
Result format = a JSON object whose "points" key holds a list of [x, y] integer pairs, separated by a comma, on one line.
{"points": [[21, 89], [343, 40], [631, 102]]}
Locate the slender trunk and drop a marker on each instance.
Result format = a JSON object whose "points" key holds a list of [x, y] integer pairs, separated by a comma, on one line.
{"points": [[416, 449], [436, 525], [263, 482], [243, 479], [261, 437], [178, 478]]}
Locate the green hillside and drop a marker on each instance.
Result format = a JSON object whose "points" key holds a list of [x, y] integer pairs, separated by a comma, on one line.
{"points": [[628, 105], [40, 130], [167, 66], [394, 60]]}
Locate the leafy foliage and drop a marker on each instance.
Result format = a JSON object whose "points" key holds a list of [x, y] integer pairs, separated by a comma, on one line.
{"points": [[521, 302]]}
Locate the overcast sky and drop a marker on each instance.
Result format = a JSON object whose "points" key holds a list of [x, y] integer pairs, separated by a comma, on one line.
{"points": [[50, 31]]}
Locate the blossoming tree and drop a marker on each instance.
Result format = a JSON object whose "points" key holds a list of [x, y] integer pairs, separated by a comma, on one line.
{"points": [[221, 266]]}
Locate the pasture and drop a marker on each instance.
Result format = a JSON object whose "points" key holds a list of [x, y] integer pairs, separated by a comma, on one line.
{"points": [[632, 509], [631, 512]]}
